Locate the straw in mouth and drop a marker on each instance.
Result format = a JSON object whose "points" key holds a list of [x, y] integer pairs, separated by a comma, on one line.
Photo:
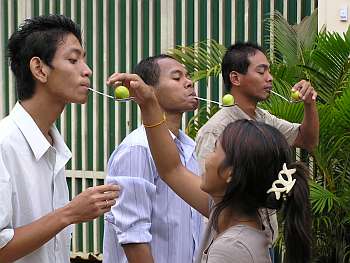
{"points": [[284, 98], [111, 97]]}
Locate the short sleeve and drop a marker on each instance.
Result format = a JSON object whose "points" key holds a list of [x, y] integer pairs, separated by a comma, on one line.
{"points": [[205, 144], [6, 228], [228, 251], [288, 129], [132, 168]]}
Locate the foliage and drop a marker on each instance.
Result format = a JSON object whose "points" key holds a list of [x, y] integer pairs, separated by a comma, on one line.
{"points": [[202, 59], [202, 116], [300, 52]]}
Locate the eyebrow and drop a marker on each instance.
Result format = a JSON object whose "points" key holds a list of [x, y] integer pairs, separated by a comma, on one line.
{"points": [[176, 71], [77, 50], [264, 66]]}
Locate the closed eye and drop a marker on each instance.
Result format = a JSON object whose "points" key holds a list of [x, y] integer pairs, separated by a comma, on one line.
{"points": [[73, 61]]}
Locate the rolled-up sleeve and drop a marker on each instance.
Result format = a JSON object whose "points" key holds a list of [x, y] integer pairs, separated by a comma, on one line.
{"points": [[6, 229], [132, 168], [288, 129]]}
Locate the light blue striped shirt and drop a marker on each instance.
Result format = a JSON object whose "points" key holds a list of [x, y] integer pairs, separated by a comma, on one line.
{"points": [[148, 211]]}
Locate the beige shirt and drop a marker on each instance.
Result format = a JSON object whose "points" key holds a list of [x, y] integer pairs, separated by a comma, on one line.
{"points": [[210, 132], [240, 243]]}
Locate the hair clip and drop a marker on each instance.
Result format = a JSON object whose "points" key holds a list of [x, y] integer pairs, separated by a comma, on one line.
{"points": [[287, 184]]}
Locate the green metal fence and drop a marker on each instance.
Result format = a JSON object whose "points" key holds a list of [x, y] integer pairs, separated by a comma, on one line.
{"points": [[117, 34]]}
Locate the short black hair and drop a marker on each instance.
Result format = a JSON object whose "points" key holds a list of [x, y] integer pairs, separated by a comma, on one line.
{"points": [[37, 37], [236, 58], [149, 70]]}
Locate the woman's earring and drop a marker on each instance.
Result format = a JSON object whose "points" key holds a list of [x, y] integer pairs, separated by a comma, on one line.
{"points": [[229, 179]]}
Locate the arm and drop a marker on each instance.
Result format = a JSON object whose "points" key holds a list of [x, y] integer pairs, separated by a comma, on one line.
{"points": [[163, 148], [86, 206], [131, 217], [309, 130], [138, 253]]}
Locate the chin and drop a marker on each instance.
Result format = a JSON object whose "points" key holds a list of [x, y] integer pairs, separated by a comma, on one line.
{"points": [[193, 106], [203, 187], [81, 100]]}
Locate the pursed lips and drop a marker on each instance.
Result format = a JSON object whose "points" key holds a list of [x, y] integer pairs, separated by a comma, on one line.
{"points": [[85, 84], [268, 88]]}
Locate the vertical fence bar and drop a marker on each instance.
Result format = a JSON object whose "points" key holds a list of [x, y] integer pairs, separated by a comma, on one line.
{"points": [[104, 62], [2, 60], [259, 21]]}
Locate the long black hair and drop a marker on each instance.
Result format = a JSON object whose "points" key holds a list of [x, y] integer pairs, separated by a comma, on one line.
{"points": [[256, 152]]}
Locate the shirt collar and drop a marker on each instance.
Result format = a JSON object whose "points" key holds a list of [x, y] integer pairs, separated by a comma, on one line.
{"points": [[187, 144], [238, 113], [35, 138]]}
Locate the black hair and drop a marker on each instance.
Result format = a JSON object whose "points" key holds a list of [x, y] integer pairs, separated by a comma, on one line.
{"points": [[236, 58], [37, 37], [256, 152], [149, 70]]}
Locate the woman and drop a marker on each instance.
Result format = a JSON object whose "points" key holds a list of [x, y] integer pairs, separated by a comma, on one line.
{"points": [[251, 168]]}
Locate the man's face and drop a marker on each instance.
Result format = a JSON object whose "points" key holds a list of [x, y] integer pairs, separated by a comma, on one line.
{"points": [[68, 79], [257, 82], [175, 91]]}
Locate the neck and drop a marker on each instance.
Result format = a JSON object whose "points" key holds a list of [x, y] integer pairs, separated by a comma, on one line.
{"points": [[247, 104], [230, 217], [44, 113], [173, 121]]}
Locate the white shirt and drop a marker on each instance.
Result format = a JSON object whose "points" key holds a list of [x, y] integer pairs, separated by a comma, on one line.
{"points": [[32, 182]]}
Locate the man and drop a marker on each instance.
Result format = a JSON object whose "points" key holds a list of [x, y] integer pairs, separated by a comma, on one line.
{"points": [[246, 75], [48, 62], [150, 223]]}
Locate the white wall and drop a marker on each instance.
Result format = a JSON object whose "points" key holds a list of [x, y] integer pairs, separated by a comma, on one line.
{"points": [[329, 15]]}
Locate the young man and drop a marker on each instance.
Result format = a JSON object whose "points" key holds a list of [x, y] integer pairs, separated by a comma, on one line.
{"points": [[246, 75], [150, 223], [48, 62]]}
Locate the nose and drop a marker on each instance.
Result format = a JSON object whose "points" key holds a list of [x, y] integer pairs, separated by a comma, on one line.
{"points": [[269, 77], [189, 83], [87, 72]]}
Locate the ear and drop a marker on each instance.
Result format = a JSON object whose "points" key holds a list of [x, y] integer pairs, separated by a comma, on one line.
{"points": [[234, 78], [40, 70], [227, 174]]}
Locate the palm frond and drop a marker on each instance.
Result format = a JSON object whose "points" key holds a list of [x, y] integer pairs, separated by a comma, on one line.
{"points": [[307, 30], [330, 64], [199, 119], [202, 59], [321, 199], [284, 38]]}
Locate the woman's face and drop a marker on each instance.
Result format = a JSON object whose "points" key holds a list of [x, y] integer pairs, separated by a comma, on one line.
{"points": [[214, 182]]}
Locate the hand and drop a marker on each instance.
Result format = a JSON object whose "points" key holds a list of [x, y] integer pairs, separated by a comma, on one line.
{"points": [[142, 92], [92, 203], [307, 92]]}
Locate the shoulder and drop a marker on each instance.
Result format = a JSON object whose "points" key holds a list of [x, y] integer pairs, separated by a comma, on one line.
{"points": [[136, 138], [132, 151], [242, 243], [216, 124], [228, 248], [9, 133]]}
